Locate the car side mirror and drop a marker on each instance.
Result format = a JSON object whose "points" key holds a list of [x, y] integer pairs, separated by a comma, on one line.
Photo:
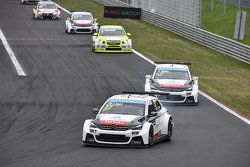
{"points": [[95, 34], [148, 76], [195, 78], [152, 114], [128, 34], [191, 82], [95, 110]]}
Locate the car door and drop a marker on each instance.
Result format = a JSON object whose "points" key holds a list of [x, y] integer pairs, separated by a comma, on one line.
{"points": [[159, 118], [154, 106]]}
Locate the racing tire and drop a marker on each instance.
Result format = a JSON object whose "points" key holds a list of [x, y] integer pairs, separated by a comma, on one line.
{"points": [[34, 17], [170, 130], [151, 137], [196, 103], [69, 31], [93, 49]]}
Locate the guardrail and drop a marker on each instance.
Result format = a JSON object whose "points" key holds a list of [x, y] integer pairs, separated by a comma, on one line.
{"points": [[224, 45]]}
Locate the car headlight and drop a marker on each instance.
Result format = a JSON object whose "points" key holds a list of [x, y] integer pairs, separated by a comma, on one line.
{"points": [[136, 127], [92, 125], [101, 41], [189, 89], [153, 87]]}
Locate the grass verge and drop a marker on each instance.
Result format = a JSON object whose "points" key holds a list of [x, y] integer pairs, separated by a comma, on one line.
{"points": [[214, 21], [220, 76]]}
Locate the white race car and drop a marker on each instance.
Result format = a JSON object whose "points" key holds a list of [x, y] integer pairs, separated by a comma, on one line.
{"points": [[173, 78], [46, 9], [129, 119], [81, 22]]}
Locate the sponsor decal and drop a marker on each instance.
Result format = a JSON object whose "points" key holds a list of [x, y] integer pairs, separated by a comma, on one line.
{"points": [[122, 12], [157, 133], [114, 123], [171, 86], [135, 132], [126, 101], [171, 69]]}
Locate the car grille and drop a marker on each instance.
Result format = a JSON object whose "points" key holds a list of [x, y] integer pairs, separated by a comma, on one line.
{"points": [[171, 98], [172, 89], [113, 42], [47, 14], [112, 138], [83, 30], [111, 127], [83, 25], [113, 48]]}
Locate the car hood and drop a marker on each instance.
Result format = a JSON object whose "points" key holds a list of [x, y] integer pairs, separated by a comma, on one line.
{"points": [[169, 83], [82, 22], [114, 37], [47, 10], [115, 119]]}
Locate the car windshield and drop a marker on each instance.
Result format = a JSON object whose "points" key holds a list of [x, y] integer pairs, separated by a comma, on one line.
{"points": [[112, 32], [46, 6], [162, 73], [125, 107], [81, 17]]}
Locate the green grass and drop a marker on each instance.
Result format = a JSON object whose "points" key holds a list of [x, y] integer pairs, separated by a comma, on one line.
{"points": [[214, 21], [220, 76]]}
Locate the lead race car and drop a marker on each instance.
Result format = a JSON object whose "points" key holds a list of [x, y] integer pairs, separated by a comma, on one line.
{"points": [[46, 9], [173, 78], [129, 119], [81, 22], [111, 38]]}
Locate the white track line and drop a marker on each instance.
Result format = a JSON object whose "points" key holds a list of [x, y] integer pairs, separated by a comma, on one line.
{"points": [[65, 10], [12, 55], [202, 93], [225, 107]]}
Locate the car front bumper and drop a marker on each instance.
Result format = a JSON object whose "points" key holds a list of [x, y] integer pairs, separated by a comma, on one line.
{"points": [[105, 48], [177, 97], [47, 15], [78, 29], [30, 1], [97, 136]]}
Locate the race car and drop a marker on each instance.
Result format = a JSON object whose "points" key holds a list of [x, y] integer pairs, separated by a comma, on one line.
{"points": [[29, 1], [81, 22], [173, 78], [46, 9], [129, 119], [111, 38]]}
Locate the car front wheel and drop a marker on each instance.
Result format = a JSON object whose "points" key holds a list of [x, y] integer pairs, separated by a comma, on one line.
{"points": [[170, 130], [151, 137]]}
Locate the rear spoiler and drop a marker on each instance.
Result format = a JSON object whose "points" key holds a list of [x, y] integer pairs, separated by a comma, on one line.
{"points": [[173, 62], [79, 11], [145, 93]]}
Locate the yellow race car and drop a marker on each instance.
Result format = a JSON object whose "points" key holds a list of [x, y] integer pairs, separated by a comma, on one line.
{"points": [[111, 38]]}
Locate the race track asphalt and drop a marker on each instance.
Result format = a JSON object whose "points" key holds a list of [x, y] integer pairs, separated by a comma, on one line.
{"points": [[41, 114]]}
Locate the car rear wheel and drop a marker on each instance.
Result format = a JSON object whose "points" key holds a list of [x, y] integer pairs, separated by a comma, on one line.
{"points": [[170, 130], [151, 137], [34, 17]]}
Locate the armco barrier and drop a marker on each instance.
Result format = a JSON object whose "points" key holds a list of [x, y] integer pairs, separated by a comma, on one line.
{"points": [[211, 40]]}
